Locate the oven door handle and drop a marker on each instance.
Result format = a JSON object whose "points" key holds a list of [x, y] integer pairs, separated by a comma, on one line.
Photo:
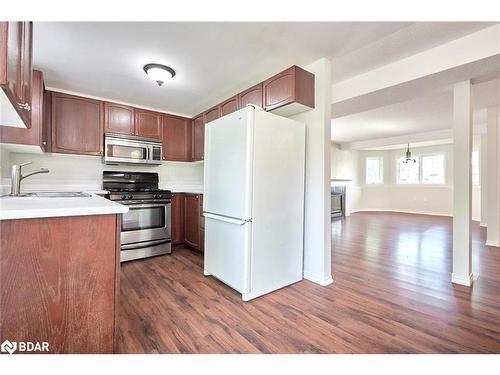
{"points": [[152, 205], [140, 245]]}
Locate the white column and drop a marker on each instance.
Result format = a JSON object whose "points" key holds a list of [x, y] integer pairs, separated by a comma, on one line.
{"points": [[317, 224], [493, 165], [483, 173], [462, 184]]}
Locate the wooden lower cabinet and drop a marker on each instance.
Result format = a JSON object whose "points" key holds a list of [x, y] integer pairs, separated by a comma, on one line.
{"points": [[202, 240], [202, 226], [177, 218], [192, 220], [188, 223], [60, 282]]}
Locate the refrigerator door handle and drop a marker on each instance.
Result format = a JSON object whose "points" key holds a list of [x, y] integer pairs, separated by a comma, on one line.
{"points": [[227, 219]]}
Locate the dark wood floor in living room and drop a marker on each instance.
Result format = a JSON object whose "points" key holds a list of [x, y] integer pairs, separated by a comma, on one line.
{"points": [[392, 294]]}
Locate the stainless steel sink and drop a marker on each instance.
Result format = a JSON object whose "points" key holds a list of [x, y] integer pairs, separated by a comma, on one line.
{"points": [[57, 194]]}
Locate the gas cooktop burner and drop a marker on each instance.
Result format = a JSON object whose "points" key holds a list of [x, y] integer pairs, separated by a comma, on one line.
{"points": [[137, 190]]}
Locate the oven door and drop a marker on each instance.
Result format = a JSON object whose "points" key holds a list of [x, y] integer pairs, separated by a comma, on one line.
{"points": [[145, 222]]}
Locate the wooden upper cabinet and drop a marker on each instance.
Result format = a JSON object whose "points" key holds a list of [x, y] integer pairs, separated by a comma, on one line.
{"points": [[289, 92], [229, 106], [176, 138], [36, 135], [198, 138], [148, 123], [118, 119], [16, 50], [77, 124], [212, 114], [253, 95]]}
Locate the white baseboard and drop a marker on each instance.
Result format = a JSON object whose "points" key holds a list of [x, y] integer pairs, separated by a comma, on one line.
{"points": [[407, 212], [462, 279], [492, 243], [484, 225], [318, 279], [401, 211]]}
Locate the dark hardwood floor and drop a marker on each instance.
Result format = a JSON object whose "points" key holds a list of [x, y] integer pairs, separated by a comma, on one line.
{"points": [[391, 294]]}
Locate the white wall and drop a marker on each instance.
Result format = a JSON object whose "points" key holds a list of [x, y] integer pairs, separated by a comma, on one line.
{"points": [[4, 163], [69, 172], [317, 235], [345, 165], [421, 198]]}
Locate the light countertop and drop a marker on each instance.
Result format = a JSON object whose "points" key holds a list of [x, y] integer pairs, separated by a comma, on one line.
{"points": [[34, 207], [183, 188]]}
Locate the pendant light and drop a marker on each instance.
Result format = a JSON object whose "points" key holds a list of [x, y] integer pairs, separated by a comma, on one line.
{"points": [[409, 159]]}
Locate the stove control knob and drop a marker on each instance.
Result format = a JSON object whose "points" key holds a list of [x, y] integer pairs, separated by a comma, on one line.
{"points": [[124, 197], [129, 197]]}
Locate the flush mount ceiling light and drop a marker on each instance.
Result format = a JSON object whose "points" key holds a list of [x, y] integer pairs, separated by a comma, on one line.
{"points": [[159, 73], [409, 159]]}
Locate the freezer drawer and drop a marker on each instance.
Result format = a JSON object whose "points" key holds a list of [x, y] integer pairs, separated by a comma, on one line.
{"points": [[227, 251]]}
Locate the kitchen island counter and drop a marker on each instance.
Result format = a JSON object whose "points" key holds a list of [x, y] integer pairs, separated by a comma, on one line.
{"points": [[35, 207]]}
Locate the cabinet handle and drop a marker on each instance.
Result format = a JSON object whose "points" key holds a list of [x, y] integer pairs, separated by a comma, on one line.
{"points": [[24, 106]]}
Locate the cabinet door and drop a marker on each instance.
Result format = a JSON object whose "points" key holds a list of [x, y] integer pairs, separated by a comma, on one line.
{"points": [[289, 92], [118, 119], [279, 90], [192, 220], [60, 282], [229, 106], [16, 66], [35, 135], [251, 96], [147, 124], [202, 240], [77, 124], [176, 138], [202, 226], [177, 218], [212, 114], [198, 141]]}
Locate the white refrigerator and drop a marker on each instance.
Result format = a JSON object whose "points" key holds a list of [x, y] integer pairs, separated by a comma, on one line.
{"points": [[253, 201]]}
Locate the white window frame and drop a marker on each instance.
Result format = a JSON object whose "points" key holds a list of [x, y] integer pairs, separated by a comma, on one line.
{"points": [[421, 167], [478, 153], [398, 158], [381, 170]]}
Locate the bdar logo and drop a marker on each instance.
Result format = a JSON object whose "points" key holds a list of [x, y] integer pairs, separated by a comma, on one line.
{"points": [[8, 347]]}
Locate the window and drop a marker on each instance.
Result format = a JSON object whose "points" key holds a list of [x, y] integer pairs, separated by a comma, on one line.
{"points": [[475, 169], [408, 173], [374, 172], [433, 169]]}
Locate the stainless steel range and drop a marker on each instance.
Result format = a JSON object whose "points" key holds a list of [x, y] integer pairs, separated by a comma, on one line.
{"points": [[146, 226]]}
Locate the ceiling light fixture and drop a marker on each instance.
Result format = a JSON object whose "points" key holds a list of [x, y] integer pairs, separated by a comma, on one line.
{"points": [[159, 73], [409, 159]]}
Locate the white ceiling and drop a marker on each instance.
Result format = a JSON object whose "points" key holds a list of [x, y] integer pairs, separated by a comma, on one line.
{"points": [[407, 41], [423, 114], [214, 60]]}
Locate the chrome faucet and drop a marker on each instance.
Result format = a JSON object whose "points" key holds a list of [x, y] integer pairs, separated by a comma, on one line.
{"points": [[17, 177]]}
